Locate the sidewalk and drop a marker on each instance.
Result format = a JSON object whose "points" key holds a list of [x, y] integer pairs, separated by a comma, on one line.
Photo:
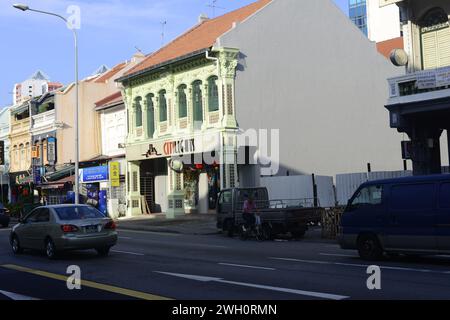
{"points": [[194, 224]]}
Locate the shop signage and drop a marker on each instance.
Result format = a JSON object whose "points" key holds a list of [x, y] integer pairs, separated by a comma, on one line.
{"points": [[431, 79], [2, 153], [94, 174], [152, 152], [51, 150], [179, 147], [114, 174], [36, 175], [174, 147]]}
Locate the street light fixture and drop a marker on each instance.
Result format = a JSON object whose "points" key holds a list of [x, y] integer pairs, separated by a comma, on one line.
{"points": [[21, 7], [24, 7]]}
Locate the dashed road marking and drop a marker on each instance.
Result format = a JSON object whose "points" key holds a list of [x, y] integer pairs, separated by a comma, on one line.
{"points": [[245, 266]]}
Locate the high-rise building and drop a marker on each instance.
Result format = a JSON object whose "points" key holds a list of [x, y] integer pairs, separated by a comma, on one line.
{"points": [[377, 23], [35, 86]]}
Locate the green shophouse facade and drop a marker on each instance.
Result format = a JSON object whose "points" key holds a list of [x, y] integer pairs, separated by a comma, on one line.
{"points": [[184, 107]]}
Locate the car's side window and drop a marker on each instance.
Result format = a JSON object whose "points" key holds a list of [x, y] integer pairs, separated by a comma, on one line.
{"points": [[43, 215], [372, 195], [225, 201], [226, 197], [33, 216]]}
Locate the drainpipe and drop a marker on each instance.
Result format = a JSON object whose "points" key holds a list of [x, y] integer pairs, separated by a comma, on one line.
{"points": [[208, 57]]}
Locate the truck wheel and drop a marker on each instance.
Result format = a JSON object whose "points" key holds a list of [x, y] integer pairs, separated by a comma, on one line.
{"points": [[369, 248], [299, 233], [228, 228]]}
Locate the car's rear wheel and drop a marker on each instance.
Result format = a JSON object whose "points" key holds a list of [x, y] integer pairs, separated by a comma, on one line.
{"points": [[50, 249], [103, 252], [15, 245], [369, 248]]}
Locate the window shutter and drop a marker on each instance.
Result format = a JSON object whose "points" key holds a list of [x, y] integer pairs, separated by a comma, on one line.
{"points": [[436, 49], [443, 44], [429, 50]]}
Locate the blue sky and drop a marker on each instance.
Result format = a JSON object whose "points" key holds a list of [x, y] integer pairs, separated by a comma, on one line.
{"points": [[110, 31]]}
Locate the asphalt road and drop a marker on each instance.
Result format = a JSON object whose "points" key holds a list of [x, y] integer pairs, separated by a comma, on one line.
{"points": [[147, 265]]}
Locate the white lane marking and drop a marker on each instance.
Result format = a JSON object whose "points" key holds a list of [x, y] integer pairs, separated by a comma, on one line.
{"points": [[6, 229], [127, 252], [358, 265], [258, 286], [149, 232], [126, 238], [337, 255], [244, 266], [16, 296]]}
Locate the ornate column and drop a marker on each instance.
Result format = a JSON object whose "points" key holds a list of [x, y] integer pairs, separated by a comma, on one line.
{"points": [[227, 66], [175, 198], [145, 118], [133, 189]]}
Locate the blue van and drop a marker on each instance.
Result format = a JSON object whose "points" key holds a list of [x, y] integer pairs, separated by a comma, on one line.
{"points": [[405, 215]]}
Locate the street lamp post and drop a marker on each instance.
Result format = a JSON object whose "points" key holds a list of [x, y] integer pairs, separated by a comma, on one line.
{"points": [[24, 7]]}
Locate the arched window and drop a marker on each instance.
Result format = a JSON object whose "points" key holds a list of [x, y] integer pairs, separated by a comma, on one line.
{"points": [[150, 114], [27, 153], [213, 94], [182, 101], [21, 154], [434, 17], [435, 37], [15, 155], [162, 106], [138, 111], [197, 101]]}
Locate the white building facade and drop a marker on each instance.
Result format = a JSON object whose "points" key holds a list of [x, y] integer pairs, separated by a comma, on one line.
{"points": [[5, 122], [377, 23]]}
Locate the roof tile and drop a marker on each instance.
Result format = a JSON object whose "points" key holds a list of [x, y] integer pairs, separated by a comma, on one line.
{"points": [[200, 37]]}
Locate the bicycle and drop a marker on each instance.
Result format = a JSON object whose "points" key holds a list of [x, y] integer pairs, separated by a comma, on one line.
{"points": [[259, 231]]}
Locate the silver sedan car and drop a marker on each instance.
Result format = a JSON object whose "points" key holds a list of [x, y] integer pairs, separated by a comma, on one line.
{"points": [[64, 227]]}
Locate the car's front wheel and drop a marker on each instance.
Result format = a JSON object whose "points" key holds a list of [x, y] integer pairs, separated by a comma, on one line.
{"points": [[15, 245], [103, 252], [50, 249], [369, 248]]}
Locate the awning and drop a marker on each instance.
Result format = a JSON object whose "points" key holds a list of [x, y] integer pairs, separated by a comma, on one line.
{"points": [[20, 109], [58, 184], [61, 173]]}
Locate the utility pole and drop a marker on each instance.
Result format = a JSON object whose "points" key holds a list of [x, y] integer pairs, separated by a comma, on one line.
{"points": [[214, 5]]}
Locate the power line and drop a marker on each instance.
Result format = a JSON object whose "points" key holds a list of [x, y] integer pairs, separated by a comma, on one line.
{"points": [[214, 5]]}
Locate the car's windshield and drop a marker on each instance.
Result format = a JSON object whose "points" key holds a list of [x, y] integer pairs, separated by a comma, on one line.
{"points": [[77, 213]]}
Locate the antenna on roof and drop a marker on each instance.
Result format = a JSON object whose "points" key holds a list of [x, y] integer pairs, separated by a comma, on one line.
{"points": [[163, 25], [139, 50], [214, 5]]}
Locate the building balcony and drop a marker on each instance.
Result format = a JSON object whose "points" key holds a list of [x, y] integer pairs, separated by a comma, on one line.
{"points": [[43, 121], [420, 86], [20, 126]]}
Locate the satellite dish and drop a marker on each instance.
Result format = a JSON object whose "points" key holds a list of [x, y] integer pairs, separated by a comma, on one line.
{"points": [[399, 57], [176, 165]]}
